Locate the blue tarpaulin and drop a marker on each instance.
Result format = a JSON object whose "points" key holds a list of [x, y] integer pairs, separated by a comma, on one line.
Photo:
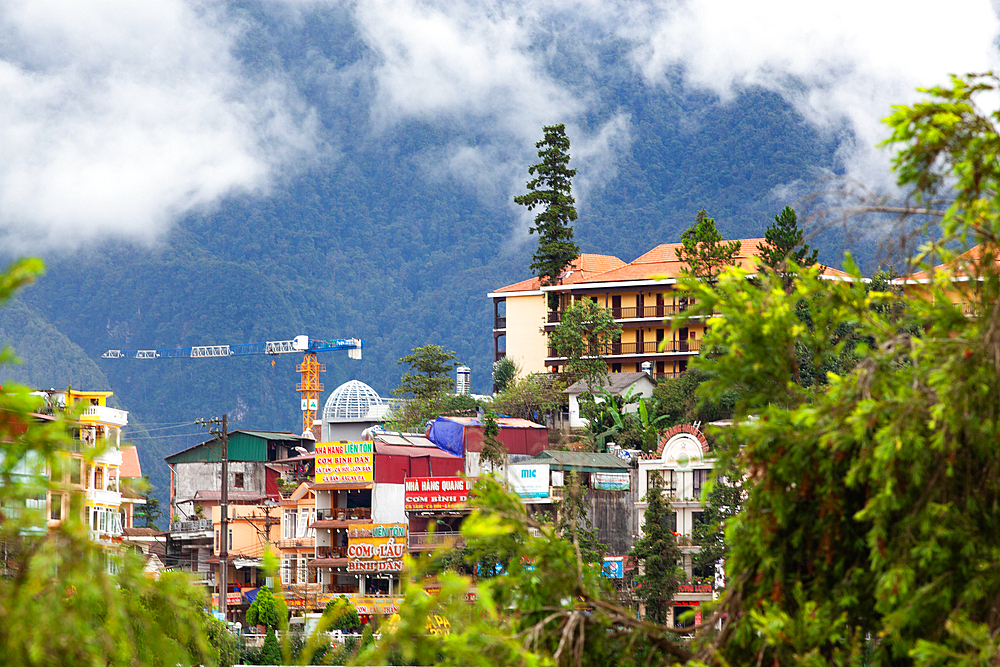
{"points": [[250, 594], [447, 435]]}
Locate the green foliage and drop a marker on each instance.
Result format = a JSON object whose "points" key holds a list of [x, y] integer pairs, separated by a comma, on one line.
{"points": [[552, 190], [416, 412], [870, 524], [531, 397], [723, 502], [60, 604], [225, 647], [505, 373], [783, 243], [494, 453], [703, 250], [270, 653], [342, 613], [574, 525], [608, 420], [266, 610], [428, 375], [659, 554], [678, 398], [583, 336], [550, 607], [149, 512]]}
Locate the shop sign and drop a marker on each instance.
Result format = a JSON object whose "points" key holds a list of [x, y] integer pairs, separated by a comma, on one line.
{"points": [[293, 602], [376, 548], [529, 481], [614, 567], [436, 493], [694, 588], [338, 462], [231, 599], [610, 481]]}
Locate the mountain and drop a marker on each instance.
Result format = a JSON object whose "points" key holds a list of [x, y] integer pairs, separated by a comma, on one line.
{"points": [[370, 240]]}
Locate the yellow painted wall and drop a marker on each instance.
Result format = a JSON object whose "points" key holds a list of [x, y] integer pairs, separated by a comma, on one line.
{"points": [[247, 524], [526, 343]]}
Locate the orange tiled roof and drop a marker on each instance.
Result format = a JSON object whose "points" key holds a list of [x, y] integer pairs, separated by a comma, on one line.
{"points": [[957, 266], [580, 269], [662, 262], [130, 463]]}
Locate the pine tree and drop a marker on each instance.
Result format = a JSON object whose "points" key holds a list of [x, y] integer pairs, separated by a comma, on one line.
{"points": [[783, 243], [658, 551], [703, 249], [552, 189], [494, 453]]}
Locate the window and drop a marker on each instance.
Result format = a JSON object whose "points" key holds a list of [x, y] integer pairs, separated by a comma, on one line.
{"points": [[668, 480], [288, 570], [98, 477], [303, 569], [56, 509], [697, 518], [288, 528], [75, 470], [238, 480], [216, 540], [700, 480]]}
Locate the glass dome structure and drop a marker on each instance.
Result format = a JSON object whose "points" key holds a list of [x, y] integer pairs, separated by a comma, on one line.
{"points": [[351, 400]]}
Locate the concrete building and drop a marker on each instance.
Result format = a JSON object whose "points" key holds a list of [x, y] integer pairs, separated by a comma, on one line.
{"points": [[683, 462], [641, 295]]}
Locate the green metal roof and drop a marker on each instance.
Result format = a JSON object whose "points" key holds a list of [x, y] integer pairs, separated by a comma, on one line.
{"points": [[580, 461], [243, 446]]}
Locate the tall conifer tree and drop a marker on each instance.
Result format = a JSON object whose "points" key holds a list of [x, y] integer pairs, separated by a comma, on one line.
{"points": [[552, 190]]}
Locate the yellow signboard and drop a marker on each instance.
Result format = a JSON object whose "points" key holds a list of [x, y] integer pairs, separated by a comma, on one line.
{"points": [[338, 462], [376, 547]]}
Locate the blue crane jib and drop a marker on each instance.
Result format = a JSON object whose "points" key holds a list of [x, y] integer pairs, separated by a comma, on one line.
{"points": [[298, 344]]}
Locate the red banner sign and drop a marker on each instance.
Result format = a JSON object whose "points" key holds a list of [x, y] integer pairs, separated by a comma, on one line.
{"points": [[436, 493]]}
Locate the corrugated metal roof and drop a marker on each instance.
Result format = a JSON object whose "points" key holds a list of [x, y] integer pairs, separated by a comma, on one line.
{"points": [[617, 383], [580, 461], [243, 446], [411, 451]]}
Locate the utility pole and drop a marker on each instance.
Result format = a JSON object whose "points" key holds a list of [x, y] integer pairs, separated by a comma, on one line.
{"points": [[223, 435]]}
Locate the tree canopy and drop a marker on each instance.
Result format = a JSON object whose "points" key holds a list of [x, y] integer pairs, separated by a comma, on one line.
{"points": [[703, 249], [551, 189], [583, 336], [429, 372]]}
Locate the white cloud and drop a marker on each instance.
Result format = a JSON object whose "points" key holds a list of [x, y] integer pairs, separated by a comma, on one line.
{"points": [[838, 63], [115, 117]]}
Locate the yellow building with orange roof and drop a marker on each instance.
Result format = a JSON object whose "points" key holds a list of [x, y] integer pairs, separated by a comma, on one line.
{"points": [[642, 296]]}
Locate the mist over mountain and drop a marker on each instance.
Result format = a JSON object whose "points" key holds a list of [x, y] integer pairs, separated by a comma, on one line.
{"points": [[348, 171]]}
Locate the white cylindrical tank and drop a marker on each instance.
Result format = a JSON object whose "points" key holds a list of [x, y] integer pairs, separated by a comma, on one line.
{"points": [[463, 380]]}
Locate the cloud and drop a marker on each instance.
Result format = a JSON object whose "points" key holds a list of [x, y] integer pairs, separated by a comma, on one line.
{"points": [[117, 117], [840, 64]]}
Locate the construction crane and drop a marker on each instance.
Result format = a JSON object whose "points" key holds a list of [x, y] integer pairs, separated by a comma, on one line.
{"points": [[309, 385]]}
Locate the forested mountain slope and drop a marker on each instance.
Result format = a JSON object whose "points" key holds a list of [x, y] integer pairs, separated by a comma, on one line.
{"points": [[370, 240]]}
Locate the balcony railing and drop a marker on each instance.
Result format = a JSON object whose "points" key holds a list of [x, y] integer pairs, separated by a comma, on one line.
{"points": [[654, 312], [646, 347], [107, 415], [500, 323], [432, 540], [293, 542], [343, 514], [191, 526], [331, 552]]}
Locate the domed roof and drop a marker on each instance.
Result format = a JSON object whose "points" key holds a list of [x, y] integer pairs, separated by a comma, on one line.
{"points": [[351, 400]]}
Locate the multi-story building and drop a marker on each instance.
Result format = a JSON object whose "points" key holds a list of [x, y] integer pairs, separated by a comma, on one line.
{"points": [[683, 463], [196, 493], [98, 426], [642, 296]]}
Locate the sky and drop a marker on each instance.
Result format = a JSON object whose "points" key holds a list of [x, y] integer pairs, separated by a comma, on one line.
{"points": [[117, 118]]}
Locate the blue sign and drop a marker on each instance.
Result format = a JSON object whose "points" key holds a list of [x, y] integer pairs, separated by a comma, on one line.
{"points": [[614, 567]]}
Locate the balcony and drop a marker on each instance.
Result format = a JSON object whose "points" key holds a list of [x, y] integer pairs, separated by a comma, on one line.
{"points": [[646, 347], [427, 541], [297, 542], [344, 514], [105, 415], [331, 552], [104, 497], [191, 526], [499, 322], [654, 312]]}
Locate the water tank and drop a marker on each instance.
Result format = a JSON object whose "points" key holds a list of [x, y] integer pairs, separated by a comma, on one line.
{"points": [[463, 380]]}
